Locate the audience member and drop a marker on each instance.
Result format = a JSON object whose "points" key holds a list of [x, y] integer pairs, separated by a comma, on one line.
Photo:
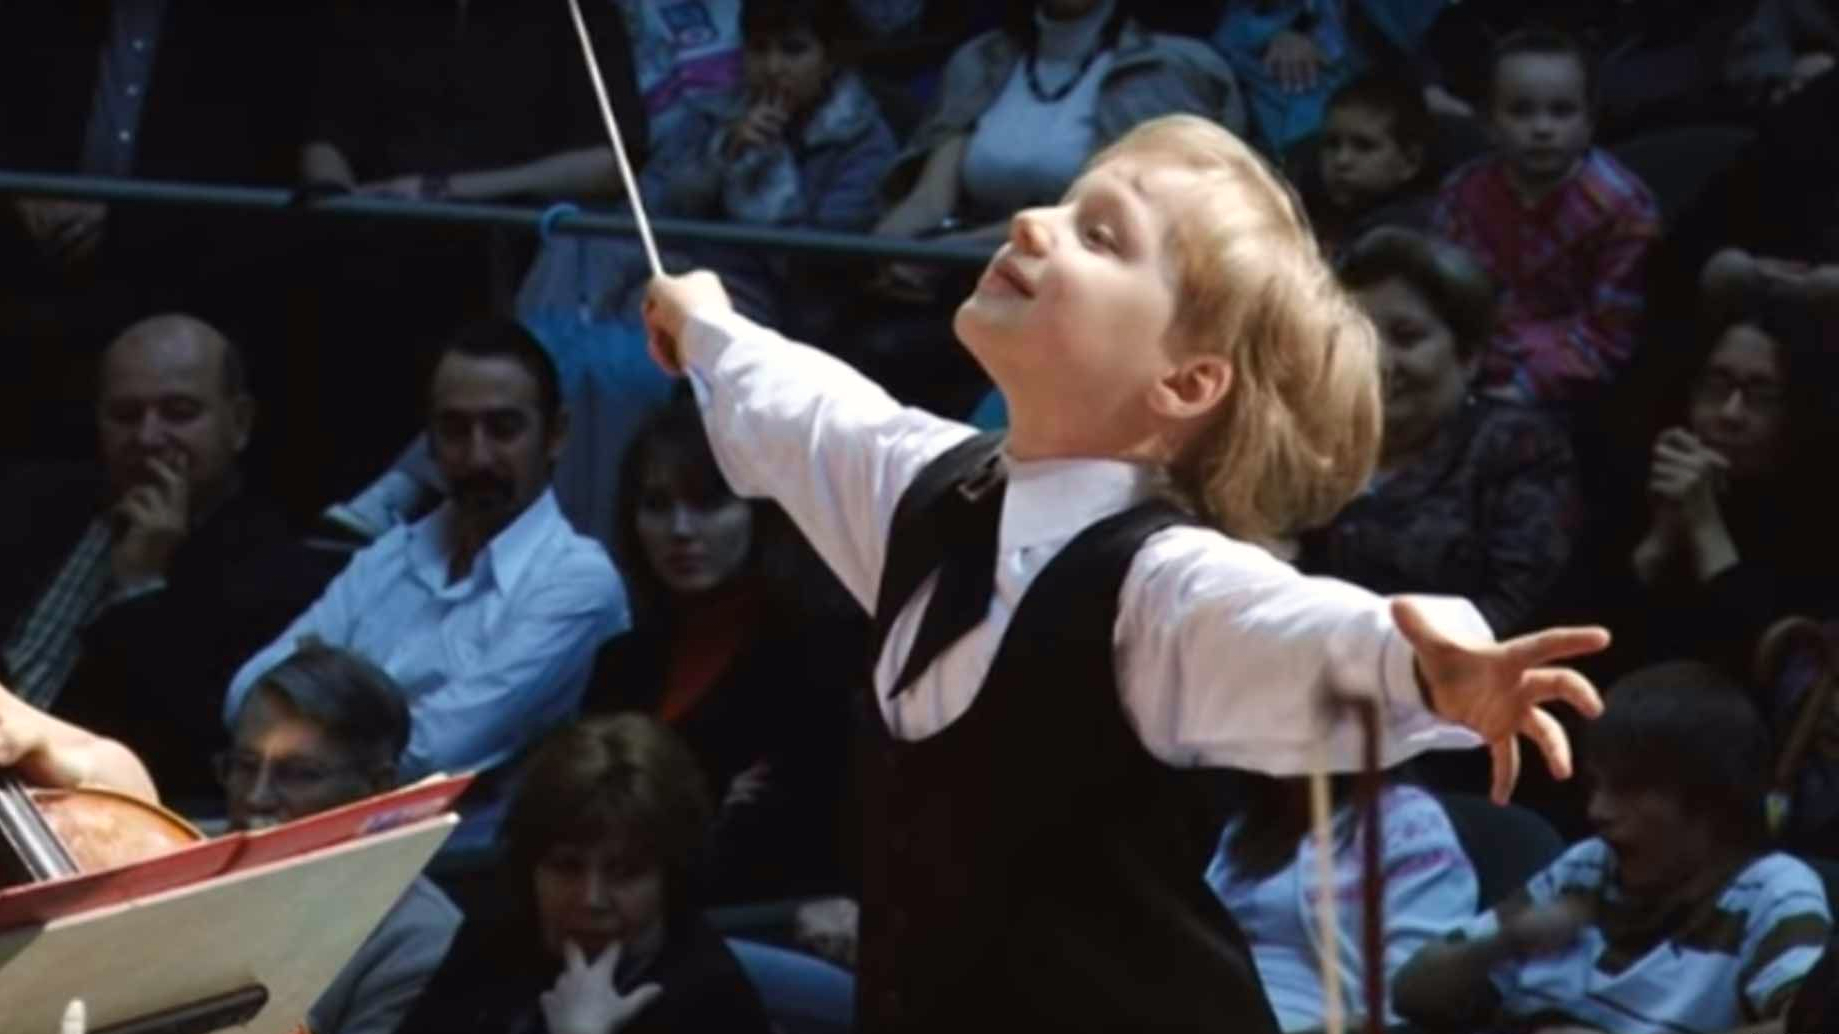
{"points": [[487, 611], [321, 729], [601, 932], [1021, 108], [139, 582], [725, 651], [1735, 532], [1562, 227], [489, 100], [800, 142], [190, 90], [1018, 112], [1473, 497], [1265, 872], [1374, 148], [1292, 55], [1675, 916]]}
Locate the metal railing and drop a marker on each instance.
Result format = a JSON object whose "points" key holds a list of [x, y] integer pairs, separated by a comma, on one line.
{"points": [[561, 220]]}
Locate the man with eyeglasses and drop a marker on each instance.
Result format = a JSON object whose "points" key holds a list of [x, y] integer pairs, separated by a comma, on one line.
{"points": [[321, 729]]}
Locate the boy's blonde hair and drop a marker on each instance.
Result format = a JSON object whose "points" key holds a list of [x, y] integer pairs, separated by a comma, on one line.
{"points": [[1297, 434]]}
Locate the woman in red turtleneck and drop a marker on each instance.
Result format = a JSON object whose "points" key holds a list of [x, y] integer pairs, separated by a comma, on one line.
{"points": [[728, 648]]}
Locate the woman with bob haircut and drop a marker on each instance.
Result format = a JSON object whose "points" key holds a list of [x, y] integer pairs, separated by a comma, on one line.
{"points": [[601, 932]]}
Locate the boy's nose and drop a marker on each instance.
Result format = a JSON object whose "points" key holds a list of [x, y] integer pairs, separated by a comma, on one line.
{"points": [[1030, 232]]}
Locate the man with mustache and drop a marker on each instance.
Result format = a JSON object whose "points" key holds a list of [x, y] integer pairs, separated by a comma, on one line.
{"points": [[486, 612], [137, 583]]}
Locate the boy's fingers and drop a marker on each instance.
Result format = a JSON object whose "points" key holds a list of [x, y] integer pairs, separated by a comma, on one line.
{"points": [[571, 956], [1505, 753], [1557, 644], [1561, 684], [1544, 730]]}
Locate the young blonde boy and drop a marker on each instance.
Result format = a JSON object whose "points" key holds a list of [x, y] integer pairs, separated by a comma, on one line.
{"points": [[1168, 332]]}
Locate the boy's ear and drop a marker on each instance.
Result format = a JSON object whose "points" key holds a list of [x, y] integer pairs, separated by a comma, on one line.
{"points": [[1192, 388]]}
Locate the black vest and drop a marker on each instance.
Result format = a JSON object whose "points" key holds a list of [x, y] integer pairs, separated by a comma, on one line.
{"points": [[1031, 867]]}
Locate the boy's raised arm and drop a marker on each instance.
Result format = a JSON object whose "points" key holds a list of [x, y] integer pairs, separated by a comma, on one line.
{"points": [[789, 422]]}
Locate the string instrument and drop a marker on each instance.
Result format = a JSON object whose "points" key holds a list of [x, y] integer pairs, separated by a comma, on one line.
{"points": [[53, 834]]}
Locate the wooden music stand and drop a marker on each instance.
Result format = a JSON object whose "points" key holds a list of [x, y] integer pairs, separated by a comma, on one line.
{"points": [[160, 963]]}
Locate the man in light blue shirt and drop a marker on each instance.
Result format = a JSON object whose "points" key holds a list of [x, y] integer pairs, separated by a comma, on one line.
{"points": [[487, 611]]}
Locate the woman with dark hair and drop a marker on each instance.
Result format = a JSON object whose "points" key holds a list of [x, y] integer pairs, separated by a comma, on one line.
{"points": [[1735, 534], [1472, 497], [1265, 873], [603, 933], [730, 649]]}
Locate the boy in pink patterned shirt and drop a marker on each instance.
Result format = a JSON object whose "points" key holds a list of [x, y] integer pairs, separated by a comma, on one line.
{"points": [[1564, 229]]}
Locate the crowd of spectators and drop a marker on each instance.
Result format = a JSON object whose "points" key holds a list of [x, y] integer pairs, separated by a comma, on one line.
{"points": [[302, 508]]}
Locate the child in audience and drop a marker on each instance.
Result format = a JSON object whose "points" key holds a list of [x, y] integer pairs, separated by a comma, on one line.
{"points": [[1373, 148], [1676, 916], [1168, 331], [1564, 229]]}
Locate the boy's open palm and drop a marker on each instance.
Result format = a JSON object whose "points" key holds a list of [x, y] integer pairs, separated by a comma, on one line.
{"points": [[1498, 689]]}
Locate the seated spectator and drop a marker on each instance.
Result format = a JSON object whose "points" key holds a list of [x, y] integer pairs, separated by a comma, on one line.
{"points": [[1374, 147], [1265, 873], [601, 931], [1292, 55], [1563, 228], [1735, 533], [727, 651], [1472, 497], [200, 91], [1018, 111], [799, 143], [1676, 916], [487, 612], [489, 100], [1021, 108], [321, 729], [137, 583]]}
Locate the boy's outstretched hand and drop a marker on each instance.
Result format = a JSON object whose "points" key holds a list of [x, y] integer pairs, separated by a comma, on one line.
{"points": [[669, 300], [1497, 689]]}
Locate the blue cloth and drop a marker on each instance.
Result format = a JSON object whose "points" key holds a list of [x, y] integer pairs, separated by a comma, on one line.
{"points": [[1245, 32], [803, 994]]}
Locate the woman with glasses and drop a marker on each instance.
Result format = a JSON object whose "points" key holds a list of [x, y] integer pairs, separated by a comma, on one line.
{"points": [[1734, 535]]}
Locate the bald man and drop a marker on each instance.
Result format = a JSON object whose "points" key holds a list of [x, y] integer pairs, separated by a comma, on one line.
{"points": [[137, 584]]}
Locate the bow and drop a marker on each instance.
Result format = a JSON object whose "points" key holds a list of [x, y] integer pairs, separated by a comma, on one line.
{"points": [[1365, 711], [619, 142]]}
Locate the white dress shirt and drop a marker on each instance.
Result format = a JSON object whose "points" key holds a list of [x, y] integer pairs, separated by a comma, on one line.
{"points": [[1223, 651], [487, 662]]}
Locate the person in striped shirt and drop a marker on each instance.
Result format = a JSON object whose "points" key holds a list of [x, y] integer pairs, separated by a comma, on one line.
{"points": [[1676, 917]]}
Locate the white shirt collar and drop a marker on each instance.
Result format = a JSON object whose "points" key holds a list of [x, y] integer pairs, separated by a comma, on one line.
{"points": [[505, 557], [1050, 501]]}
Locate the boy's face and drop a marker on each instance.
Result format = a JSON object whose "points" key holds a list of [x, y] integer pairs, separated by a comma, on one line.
{"points": [[1075, 309], [1541, 118], [1659, 840], [1361, 159]]}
